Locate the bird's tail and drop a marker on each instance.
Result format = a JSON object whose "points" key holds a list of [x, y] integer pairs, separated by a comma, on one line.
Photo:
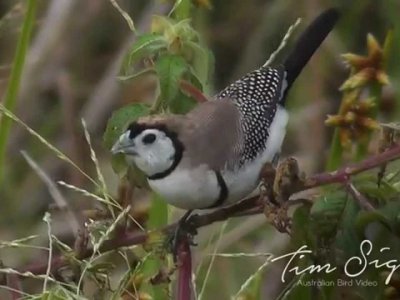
{"points": [[308, 43]]}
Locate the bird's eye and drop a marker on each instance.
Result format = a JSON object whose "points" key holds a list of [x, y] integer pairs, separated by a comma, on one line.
{"points": [[149, 138]]}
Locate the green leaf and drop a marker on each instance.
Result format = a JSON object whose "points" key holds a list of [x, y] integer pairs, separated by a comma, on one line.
{"points": [[387, 215], [119, 121], [116, 125], [183, 103], [301, 227], [347, 239], [158, 215], [326, 213], [367, 185], [145, 45], [161, 25], [170, 69], [365, 218], [181, 9], [201, 60], [136, 75], [253, 290], [185, 31]]}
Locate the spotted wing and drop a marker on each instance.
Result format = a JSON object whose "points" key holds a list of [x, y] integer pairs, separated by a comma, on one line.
{"points": [[256, 95]]}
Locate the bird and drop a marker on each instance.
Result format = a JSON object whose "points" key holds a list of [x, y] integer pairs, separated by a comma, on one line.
{"points": [[213, 155]]}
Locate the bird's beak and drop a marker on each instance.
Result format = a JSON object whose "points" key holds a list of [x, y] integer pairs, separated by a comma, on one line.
{"points": [[124, 145]]}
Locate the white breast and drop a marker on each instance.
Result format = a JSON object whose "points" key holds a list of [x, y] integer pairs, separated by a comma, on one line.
{"points": [[188, 189], [242, 182], [198, 188]]}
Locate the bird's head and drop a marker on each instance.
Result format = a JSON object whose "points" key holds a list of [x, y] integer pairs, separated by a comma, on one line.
{"points": [[152, 146]]}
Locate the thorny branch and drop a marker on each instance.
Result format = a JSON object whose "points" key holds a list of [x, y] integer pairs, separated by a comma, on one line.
{"points": [[252, 205]]}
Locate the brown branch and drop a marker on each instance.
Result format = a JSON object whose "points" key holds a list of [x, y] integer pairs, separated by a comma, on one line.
{"points": [[254, 205], [342, 175], [136, 238]]}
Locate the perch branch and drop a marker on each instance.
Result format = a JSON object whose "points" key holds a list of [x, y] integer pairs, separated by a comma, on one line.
{"points": [[342, 175], [254, 205], [136, 238]]}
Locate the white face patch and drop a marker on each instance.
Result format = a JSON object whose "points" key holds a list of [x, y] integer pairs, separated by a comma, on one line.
{"points": [[155, 151]]}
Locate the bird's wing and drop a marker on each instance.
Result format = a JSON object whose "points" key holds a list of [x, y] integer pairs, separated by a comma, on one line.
{"points": [[213, 136]]}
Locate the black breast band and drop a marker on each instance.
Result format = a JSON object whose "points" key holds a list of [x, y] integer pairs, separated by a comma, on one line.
{"points": [[223, 193]]}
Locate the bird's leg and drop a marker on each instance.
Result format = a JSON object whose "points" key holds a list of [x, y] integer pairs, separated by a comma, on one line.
{"points": [[183, 230]]}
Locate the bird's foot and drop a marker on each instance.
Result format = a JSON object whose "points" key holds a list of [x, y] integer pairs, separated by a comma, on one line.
{"points": [[278, 216], [185, 229], [278, 185], [288, 180], [283, 181]]}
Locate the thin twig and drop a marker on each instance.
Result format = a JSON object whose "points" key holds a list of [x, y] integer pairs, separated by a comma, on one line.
{"points": [[203, 287], [360, 198], [125, 15], [342, 175], [102, 99], [55, 193], [283, 43], [47, 219]]}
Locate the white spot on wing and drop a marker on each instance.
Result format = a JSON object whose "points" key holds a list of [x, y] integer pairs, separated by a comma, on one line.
{"points": [[284, 86]]}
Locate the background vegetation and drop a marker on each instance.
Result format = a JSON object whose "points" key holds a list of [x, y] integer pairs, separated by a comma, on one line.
{"points": [[87, 59]]}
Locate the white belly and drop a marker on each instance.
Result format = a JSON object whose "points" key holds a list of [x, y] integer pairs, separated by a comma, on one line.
{"points": [[188, 189], [198, 188], [242, 182]]}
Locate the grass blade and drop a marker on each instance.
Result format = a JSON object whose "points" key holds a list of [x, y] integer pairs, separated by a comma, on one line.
{"points": [[11, 95]]}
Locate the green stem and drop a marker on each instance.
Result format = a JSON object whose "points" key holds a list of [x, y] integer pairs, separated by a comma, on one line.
{"points": [[335, 156], [362, 148], [182, 9], [158, 218], [375, 92], [11, 94], [336, 153]]}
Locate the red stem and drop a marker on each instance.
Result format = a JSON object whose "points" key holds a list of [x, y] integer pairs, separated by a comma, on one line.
{"points": [[14, 282], [342, 175], [192, 91], [185, 271]]}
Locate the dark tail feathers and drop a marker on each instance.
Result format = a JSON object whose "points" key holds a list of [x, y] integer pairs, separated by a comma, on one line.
{"points": [[308, 42]]}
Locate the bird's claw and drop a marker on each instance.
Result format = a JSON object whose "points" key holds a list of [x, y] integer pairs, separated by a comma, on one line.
{"points": [[185, 229]]}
